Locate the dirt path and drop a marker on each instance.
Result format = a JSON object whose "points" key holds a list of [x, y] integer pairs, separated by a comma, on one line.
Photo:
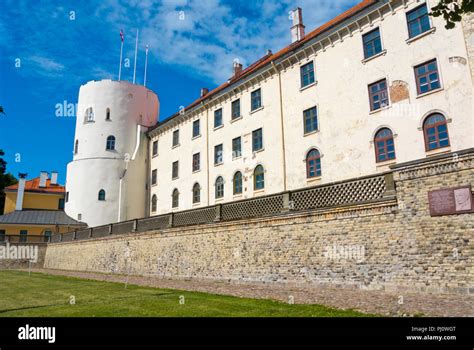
{"points": [[379, 302]]}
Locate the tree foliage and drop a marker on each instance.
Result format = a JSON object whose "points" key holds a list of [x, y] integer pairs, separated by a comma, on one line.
{"points": [[6, 179], [452, 10]]}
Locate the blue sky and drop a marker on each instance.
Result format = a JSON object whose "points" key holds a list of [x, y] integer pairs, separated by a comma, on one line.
{"points": [[49, 48]]}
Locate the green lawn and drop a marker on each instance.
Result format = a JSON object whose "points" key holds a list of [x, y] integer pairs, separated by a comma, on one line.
{"points": [[42, 295]]}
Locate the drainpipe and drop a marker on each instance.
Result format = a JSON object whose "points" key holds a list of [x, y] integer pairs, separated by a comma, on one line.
{"points": [[282, 126]]}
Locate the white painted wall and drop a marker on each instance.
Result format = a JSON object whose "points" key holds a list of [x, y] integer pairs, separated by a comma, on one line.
{"points": [[346, 125], [94, 168]]}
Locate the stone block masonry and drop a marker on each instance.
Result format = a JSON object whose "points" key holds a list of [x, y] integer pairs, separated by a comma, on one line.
{"points": [[393, 244]]}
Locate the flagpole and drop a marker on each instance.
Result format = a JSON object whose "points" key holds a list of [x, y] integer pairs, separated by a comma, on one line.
{"points": [[135, 64], [146, 62], [121, 50]]}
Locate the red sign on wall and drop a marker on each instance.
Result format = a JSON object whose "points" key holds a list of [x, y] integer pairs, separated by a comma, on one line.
{"points": [[450, 201]]}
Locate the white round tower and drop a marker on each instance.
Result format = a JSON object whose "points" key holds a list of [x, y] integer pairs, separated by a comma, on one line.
{"points": [[106, 180]]}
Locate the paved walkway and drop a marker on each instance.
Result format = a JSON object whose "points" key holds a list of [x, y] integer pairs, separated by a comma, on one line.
{"points": [[377, 302]]}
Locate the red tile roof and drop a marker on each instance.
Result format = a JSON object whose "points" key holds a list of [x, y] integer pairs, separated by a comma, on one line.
{"points": [[271, 57], [33, 186]]}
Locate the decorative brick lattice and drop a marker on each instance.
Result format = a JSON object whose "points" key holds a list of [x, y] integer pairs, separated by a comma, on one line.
{"points": [[353, 192], [100, 231], [193, 217], [122, 228], [253, 208], [153, 223], [82, 234]]}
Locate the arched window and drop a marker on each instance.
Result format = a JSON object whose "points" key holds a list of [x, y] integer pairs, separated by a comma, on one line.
{"points": [[384, 146], [219, 187], [154, 201], [238, 183], [76, 147], [436, 132], [107, 114], [89, 115], [258, 178], [175, 202], [313, 163], [110, 146], [196, 193], [101, 196]]}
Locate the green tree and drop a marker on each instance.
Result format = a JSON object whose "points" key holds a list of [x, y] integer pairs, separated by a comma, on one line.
{"points": [[6, 179], [452, 10]]}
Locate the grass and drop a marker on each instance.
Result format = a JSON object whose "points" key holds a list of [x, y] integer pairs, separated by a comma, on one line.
{"points": [[41, 295]]}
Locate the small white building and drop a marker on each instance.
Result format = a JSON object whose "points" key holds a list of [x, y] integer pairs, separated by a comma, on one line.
{"points": [[380, 84]]}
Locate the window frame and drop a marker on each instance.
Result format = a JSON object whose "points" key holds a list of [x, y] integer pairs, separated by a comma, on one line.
{"points": [[435, 126], [216, 159], [154, 148], [196, 187], [154, 177], [198, 123], [384, 139], [219, 192], [233, 104], [317, 164], [234, 183], [175, 170], [304, 74], [255, 175], [378, 93], [253, 140], [234, 155], [154, 203], [426, 75], [175, 138], [410, 36], [252, 98], [110, 143], [372, 41], [101, 195], [305, 131], [218, 113], [175, 198], [196, 163]]}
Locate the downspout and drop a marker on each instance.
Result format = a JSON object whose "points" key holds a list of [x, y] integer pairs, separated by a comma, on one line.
{"points": [[282, 127], [137, 145]]}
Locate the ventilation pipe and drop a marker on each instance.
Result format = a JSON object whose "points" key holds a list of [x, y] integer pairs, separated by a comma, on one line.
{"points": [[297, 30], [43, 178]]}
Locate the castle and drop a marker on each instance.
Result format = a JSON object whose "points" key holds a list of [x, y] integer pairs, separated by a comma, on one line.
{"points": [[381, 84]]}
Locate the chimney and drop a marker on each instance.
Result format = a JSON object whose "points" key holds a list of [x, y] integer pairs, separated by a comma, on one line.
{"points": [[297, 30], [54, 178], [204, 92], [21, 191], [237, 69], [43, 178]]}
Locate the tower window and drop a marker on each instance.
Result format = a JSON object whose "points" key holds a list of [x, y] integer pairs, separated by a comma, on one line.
{"points": [[378, 95], [76, 147], [196, 161], [107, 114], [110, 146], [218, 154], [101, 195], [196, 128], [89, 115], [236, 109], [155, 148], [154, 176]]}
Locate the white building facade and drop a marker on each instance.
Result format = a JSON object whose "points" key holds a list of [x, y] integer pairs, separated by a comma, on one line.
{"points": [[383, 83]]}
